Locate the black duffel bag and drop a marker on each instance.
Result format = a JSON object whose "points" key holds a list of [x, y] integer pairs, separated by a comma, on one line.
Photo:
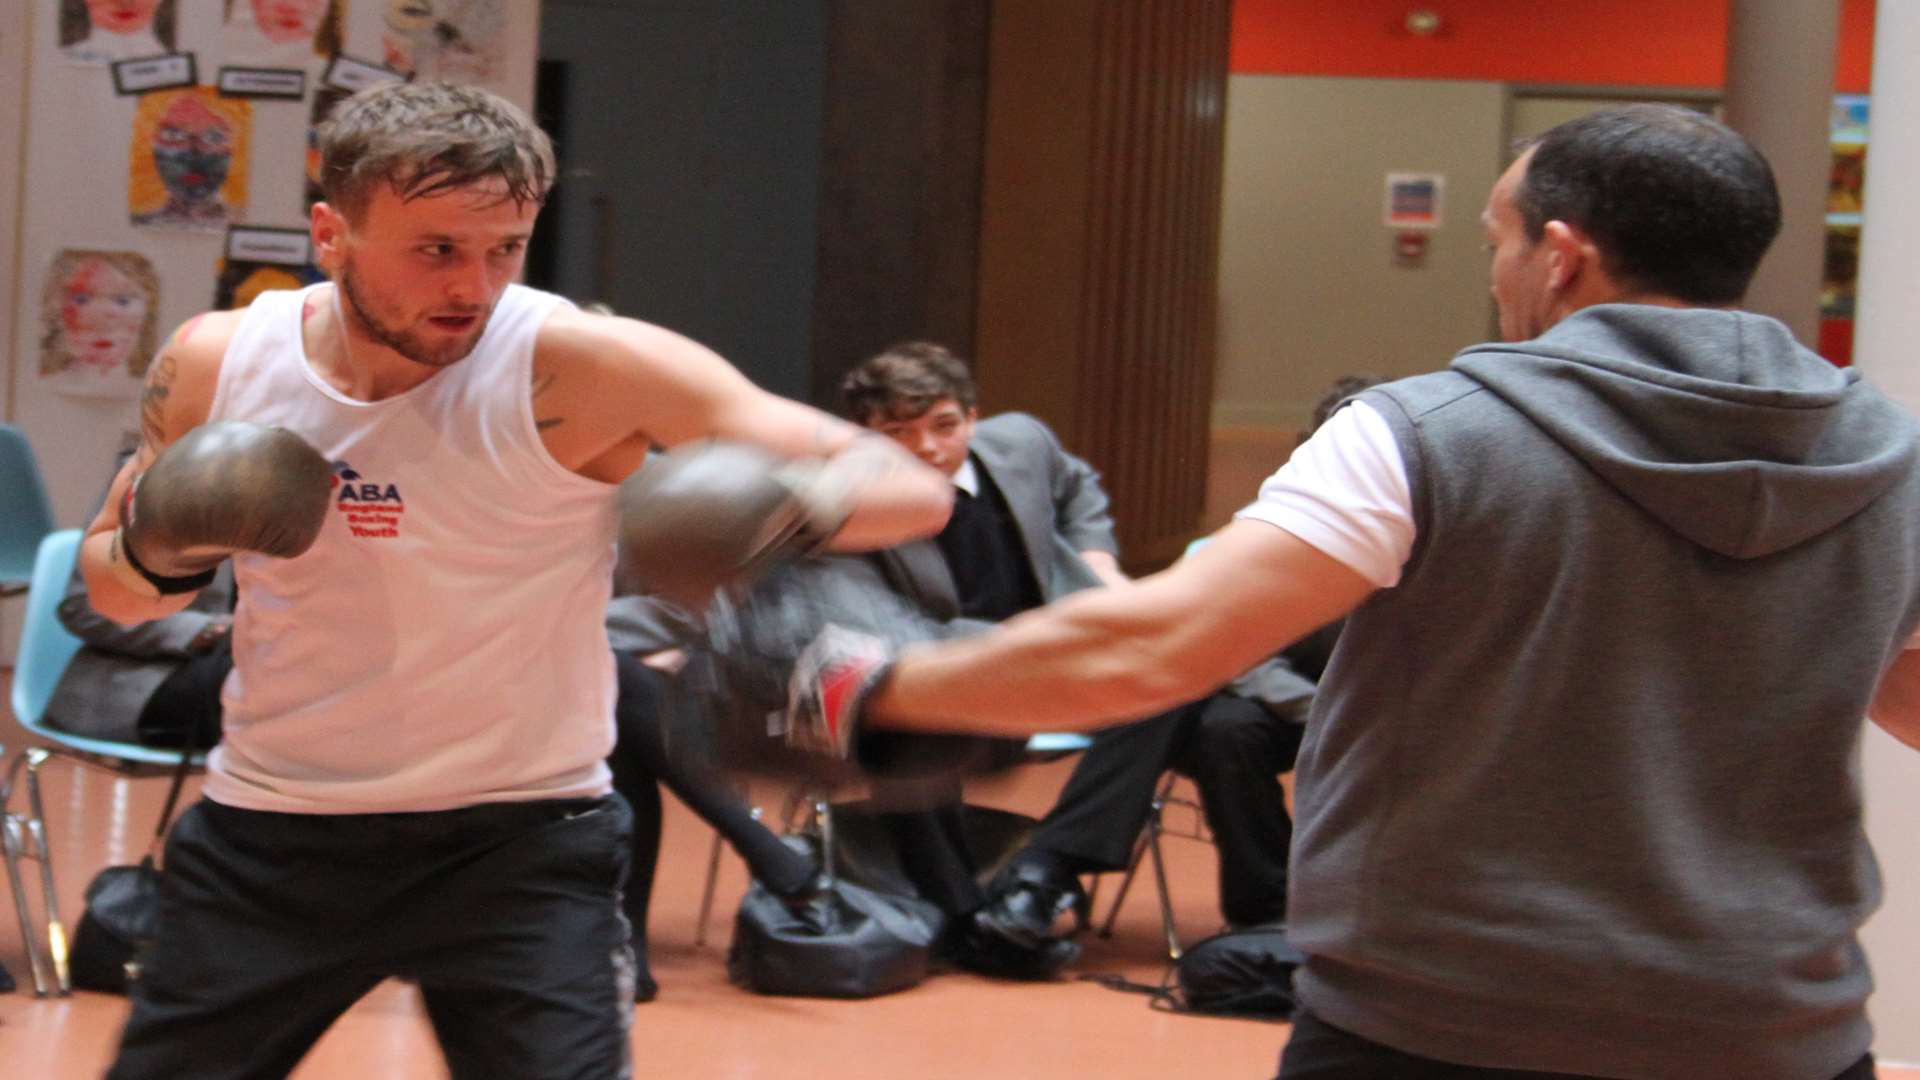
{"points": [[849, 942], [123, 911], [1239, 973], [117, 929]]}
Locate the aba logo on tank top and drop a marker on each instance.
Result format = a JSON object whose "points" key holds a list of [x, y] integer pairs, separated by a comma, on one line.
{"points": [[373, 510]]}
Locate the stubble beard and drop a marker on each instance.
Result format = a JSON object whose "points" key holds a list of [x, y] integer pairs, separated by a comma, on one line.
{"points": [[407, 344]]}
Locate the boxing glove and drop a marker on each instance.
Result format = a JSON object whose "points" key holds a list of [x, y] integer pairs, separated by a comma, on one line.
{"points": [[715, 515], [223, 487], [831, 681]]}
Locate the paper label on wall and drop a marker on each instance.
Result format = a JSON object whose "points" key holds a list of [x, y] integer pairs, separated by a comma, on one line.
{"points": [[263, 82], [259, 243], [352, 75], [1414, 200], [152, 73]]}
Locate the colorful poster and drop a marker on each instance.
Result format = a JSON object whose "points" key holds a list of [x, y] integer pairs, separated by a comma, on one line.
{"points": [[187, 163], [103, 31], [282, 32], [1840, 272], [241, 280], [458, 40], [1847, 180], [97, 313]]}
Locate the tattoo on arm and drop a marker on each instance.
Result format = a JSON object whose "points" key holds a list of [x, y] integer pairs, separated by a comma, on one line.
{"points": [[542, 382], [153, 408]]}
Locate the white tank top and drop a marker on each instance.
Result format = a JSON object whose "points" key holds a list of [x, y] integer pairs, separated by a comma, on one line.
{"points": [[443, 643]]}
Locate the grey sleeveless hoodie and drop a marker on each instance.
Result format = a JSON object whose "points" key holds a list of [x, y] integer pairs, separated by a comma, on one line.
{"points": [[1581, 793]]}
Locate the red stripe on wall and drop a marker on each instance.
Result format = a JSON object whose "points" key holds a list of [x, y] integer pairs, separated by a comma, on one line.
{"points": [[1599, 42]]}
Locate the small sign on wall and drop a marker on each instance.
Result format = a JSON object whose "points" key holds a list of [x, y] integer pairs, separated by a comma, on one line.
{"points": [[1414, 200]]}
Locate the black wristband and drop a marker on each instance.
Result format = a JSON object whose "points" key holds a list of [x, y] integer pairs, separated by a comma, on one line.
{"points": [[168, 586]]}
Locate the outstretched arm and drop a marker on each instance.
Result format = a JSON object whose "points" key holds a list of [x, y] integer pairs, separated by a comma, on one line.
{"points": [[606, 388], [1106, 655]]}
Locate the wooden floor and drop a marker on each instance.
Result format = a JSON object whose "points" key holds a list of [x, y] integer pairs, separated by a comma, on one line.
{"points": [[952, 1026]]}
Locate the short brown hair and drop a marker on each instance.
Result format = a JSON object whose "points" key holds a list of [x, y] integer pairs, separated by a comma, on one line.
{"points": [[905, 381], [430, 137]]}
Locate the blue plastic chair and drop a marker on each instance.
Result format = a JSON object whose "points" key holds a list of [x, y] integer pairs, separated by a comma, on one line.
{"points": [[26, 517], [46, 647]]}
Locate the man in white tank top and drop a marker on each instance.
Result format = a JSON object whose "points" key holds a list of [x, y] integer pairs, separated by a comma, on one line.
{"points": [[412, 780]]}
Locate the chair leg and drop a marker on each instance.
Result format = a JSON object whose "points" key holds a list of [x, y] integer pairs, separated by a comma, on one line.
{"points": [[823, 815], [1147, 837], [1166, 899], [706, 893], [12, 839], [26, 837], [56, 931]]}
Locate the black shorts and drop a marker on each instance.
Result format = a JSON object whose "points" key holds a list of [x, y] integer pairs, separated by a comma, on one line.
{"points": [[1319, 1051], [506, 914]]}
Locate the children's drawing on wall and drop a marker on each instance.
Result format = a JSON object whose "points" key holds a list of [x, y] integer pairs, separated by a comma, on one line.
{"points": [[97, 313], [188, 159], [241, 280], [282, 33], [324, 100], [103, 31], [460, 40]]}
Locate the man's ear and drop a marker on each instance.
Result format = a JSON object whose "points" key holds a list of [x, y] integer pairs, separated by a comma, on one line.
{"points": [[328, 229], [1570, 253]]}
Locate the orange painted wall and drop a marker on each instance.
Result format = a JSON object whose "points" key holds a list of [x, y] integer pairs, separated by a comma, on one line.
{"points": [[1604, 42]]}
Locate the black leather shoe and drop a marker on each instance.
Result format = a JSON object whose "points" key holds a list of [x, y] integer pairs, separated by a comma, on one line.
{"points": [[981, 950], [1027, 904]]}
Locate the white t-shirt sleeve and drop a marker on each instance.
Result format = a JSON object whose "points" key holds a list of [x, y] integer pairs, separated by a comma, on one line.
{"points": [[1345, 492]]}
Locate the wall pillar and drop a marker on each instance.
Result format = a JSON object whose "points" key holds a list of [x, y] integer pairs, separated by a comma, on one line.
{"points": [[1780, 65], [1887, 326], [1099, 245]]}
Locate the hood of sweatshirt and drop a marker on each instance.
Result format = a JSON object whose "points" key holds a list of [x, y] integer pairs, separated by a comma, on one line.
{"points": [[1715, 422]]}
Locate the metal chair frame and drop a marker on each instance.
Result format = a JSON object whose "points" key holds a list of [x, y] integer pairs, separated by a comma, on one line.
{"points": [[45, 649], [1147, 844]]}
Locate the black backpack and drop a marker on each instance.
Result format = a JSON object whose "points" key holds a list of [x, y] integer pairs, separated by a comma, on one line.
{"points": [[1238, 973], [1247, 973]]}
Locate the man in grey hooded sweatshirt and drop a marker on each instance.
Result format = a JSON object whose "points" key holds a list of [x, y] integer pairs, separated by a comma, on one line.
{"points": [[1580, 794]]}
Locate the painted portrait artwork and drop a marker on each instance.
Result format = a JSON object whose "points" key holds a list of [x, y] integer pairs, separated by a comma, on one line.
{"points": [[98, 314], [282, 33], [187, 163], [242, 280], [459, 40], [100, 32]]}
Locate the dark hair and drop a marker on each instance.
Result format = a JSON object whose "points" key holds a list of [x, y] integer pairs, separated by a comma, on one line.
{"points": [[430, 137], [1679, 204], [905, 381], [1338, 394]]}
